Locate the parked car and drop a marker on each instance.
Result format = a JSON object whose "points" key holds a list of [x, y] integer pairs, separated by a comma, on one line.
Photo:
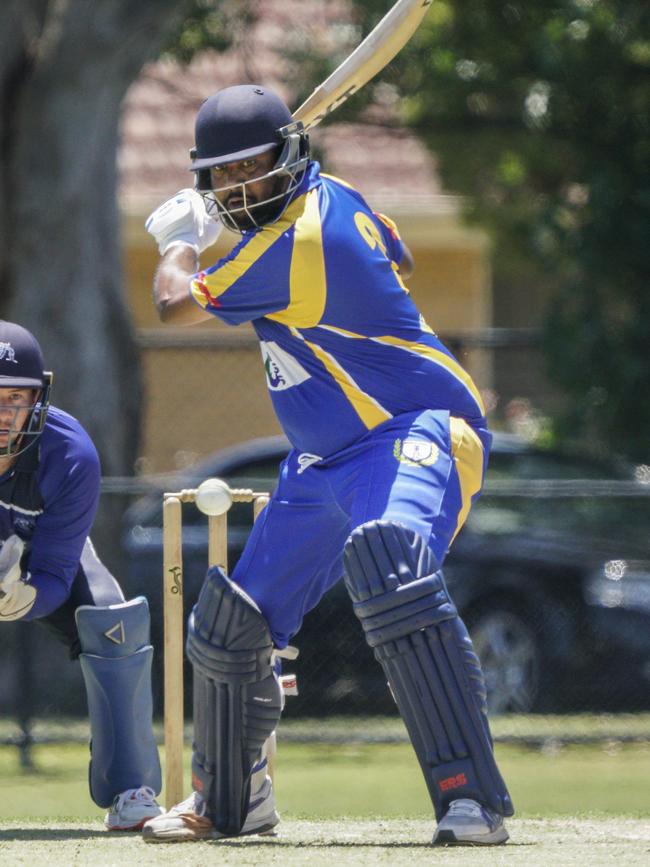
{"points": [[554, 590]]}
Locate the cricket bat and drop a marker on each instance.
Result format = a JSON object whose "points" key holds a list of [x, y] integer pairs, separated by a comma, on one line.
{"points": [[368, 58]]}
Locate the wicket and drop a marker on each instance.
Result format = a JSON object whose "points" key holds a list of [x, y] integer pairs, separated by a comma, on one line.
{"points": [[173, 621]]}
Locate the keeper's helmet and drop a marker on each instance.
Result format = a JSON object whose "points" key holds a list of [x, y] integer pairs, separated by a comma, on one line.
{"points": [[21, 366], [239, 123]]}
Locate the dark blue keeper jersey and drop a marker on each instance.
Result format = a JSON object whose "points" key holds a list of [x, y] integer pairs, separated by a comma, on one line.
{"points": [[344, 346], [49, 498]]}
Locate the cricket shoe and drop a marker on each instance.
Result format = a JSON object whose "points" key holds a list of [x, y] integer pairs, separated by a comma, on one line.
{"points": [[130, 810], [467, 823], [187, 821]]}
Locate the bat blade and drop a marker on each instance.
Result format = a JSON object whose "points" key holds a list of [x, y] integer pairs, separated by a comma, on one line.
{"points": [[368, 58]]}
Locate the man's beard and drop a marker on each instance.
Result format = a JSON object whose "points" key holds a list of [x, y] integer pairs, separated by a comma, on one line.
{"points": [[258, 215]]}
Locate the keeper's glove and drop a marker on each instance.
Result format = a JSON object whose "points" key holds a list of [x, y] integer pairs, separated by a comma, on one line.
{"points": [[16, 596], [183, 220]]}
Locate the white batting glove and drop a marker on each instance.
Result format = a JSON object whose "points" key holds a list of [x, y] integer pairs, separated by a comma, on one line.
{"points": [[183, 220], [16, 596]]}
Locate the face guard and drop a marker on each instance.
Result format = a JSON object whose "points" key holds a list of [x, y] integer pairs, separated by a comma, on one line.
{"points": [[287, 173], [21, 367], [20, 439]]}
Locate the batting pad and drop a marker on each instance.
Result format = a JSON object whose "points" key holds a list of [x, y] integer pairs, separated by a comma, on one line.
{"points": [[116, 665], [237, 697], [427, 656]]}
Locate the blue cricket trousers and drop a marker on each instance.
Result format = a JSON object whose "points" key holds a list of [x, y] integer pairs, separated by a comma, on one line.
{"points": [[421, 469]]}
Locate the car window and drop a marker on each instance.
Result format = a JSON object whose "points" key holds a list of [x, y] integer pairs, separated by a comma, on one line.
{"points": [[625, 518], [540, 465]]}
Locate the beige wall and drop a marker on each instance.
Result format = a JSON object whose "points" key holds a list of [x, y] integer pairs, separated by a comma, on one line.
{"points": [[452, 289], [202, 399]]}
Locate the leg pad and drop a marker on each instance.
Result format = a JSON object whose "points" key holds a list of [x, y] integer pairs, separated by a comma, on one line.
{"points": [[402, 602], [237, 698], [116, 665]]}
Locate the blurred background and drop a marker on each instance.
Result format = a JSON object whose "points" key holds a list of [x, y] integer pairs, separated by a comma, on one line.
{"points": [[511, 144]]}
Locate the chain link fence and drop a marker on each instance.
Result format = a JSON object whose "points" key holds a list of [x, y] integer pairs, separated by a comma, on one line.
{"points": [[548, 600]]}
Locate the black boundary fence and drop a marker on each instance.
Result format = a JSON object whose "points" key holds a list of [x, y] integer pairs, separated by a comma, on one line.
{"points": [[23, 727], [23, 722]]}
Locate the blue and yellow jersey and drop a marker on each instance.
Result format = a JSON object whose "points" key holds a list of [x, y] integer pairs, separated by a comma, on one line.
{"points": [[344, 346]]}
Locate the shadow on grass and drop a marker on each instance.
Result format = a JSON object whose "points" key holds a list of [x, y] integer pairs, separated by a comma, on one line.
{"points": [[350, 844], [14, 834], [67, 834]]}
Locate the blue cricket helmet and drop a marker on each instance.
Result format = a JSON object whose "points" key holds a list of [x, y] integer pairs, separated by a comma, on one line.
{"points": [[21, 366], [240, 123], [237, 123], [21, 359]]}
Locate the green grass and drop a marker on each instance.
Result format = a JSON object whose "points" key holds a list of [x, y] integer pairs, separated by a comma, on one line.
{"points": [[320, 781], [350, 805], [385, 780], [530, 727]]}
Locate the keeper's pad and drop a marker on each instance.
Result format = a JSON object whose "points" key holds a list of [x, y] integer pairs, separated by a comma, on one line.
{"points": [[427, 656], [237, 698], [116, 664]]}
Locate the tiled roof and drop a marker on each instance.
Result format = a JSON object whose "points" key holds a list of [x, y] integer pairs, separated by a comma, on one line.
{"points": [[386, 163]]}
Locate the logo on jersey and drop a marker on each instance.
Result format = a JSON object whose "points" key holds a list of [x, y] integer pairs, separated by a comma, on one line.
{"points": [[416, 453], [282, 369], [7, 352], [305, 460], [25, 525]]}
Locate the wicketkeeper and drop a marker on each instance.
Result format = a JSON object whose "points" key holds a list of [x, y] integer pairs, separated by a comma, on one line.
{"points": [[389, 450], [49, 572]]}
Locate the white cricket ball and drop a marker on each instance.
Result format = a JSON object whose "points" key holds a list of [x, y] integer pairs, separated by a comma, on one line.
{"points": [[213, 497]]}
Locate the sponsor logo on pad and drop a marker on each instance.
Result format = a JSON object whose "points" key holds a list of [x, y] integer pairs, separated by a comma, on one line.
{"points": [[452, 782]]}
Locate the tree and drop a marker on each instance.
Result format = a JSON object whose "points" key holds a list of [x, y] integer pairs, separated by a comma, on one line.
{"points": [[540, 115], [64, 69]]}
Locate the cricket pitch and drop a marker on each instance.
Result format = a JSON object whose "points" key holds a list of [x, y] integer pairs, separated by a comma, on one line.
{"points": [[394, 842]]}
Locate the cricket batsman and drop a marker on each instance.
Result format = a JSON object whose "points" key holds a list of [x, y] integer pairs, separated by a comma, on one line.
{"points": [[49, 572], [389, 451]]}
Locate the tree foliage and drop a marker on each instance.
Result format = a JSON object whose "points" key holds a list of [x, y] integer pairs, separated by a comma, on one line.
{"points": [[209, 24], [64, 69], [539, 113]]}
